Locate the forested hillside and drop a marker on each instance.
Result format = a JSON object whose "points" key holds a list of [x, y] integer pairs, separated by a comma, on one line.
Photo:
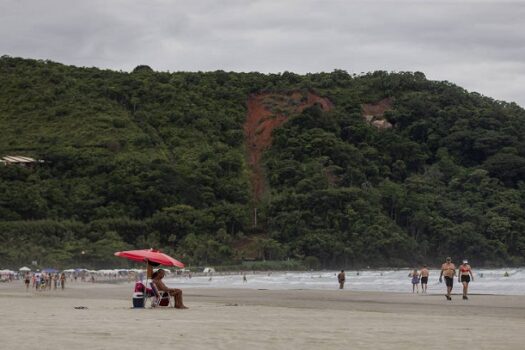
{"points": [[331, 169]]}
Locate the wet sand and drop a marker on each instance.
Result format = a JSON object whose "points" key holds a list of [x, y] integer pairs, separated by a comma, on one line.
{"points": [[257, 319]]}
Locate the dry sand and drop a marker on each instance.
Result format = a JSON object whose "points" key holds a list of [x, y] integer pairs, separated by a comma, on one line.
{"points": [[257, 319]]}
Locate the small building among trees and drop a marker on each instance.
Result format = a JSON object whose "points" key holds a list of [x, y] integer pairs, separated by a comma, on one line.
{"points": [[20, 160]]}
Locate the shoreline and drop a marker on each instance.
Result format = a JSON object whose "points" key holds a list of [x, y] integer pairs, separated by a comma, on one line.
{"points": [[487, 282], [129, 285]]}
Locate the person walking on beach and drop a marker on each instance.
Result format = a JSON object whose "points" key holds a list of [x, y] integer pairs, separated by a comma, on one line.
{"points": [[27, 281], [465, 275], [415, 280], [448, 270], [424, 278], [342, 279], [244, 279]]}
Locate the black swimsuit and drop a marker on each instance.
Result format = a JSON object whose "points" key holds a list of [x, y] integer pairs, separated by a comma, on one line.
{"points": [[449, 281]]}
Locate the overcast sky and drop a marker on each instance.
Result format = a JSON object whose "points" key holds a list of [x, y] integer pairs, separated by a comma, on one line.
{"points": [[479, 45]]}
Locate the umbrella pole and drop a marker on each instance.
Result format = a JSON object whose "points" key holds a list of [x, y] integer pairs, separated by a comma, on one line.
{"points": [[146, 284]]}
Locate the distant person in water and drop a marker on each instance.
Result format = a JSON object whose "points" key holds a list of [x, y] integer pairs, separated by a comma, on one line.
{"points": [[448, 270], [415, 280], [244, 279], [465, 276], [175, 293], [341, 278], [424, 278]]}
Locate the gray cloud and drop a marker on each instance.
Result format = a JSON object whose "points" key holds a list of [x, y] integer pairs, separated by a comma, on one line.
{"points": [[479, 45]]}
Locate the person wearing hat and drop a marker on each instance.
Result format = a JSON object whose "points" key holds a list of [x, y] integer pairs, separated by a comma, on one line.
{"points": [[448, 270], [465, 275]]}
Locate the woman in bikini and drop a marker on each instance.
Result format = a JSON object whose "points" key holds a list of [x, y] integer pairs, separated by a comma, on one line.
{"points": [[465, 276], [415, 280]]}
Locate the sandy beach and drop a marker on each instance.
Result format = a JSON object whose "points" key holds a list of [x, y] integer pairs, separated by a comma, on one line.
{"points": [[257, 319]]}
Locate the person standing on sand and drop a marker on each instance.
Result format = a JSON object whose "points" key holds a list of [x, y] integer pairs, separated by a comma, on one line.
{"points": [[63, 281], [38, 278], [49, 281], [424, 278], [341, 277], [448, 270], [465, 274], [415, 280]]}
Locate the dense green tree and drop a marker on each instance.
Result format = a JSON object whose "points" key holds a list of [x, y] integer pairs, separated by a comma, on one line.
{"points": [[158, 159]]}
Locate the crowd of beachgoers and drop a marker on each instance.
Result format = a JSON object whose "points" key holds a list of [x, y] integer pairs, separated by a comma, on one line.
{"points": [[52, 278]]}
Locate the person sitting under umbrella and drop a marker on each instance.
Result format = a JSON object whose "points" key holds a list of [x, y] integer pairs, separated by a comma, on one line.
{"points": [[175, 293]]}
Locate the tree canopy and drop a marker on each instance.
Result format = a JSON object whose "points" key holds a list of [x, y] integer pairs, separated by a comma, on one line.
{"points": [[158, 159]]}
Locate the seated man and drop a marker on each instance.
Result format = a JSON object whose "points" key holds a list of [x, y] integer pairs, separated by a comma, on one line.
{"points": [[175, 293]]}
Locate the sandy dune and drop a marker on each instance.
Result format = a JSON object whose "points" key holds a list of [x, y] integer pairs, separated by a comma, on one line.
{"points": [[257, 319]]}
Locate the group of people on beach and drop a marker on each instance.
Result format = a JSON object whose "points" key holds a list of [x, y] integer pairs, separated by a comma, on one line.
{"points": [[448, 272], [43, 281]]}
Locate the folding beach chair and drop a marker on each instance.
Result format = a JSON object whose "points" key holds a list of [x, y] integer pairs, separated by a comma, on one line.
{"points": [[159, 298]]}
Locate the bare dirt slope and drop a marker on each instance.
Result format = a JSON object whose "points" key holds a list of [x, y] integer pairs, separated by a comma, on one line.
{"points": [[266, 112], [374, 112]]}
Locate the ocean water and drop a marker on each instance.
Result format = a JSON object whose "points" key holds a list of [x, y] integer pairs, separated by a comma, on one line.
{"points": [[486, 281]]}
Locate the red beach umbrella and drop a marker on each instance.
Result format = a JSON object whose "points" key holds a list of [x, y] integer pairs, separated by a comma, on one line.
{"points": [[150, 255]]}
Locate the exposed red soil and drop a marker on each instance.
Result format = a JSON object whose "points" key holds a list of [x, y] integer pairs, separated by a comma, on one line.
{"points": [[266, 112], [378, 108], [373, 113]]}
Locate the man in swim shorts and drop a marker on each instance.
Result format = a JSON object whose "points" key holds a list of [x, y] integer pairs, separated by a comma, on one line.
{"points": [[341, 278], [27, 280], [465, 274], [448, 270], [157, 277], [424, 278]]}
